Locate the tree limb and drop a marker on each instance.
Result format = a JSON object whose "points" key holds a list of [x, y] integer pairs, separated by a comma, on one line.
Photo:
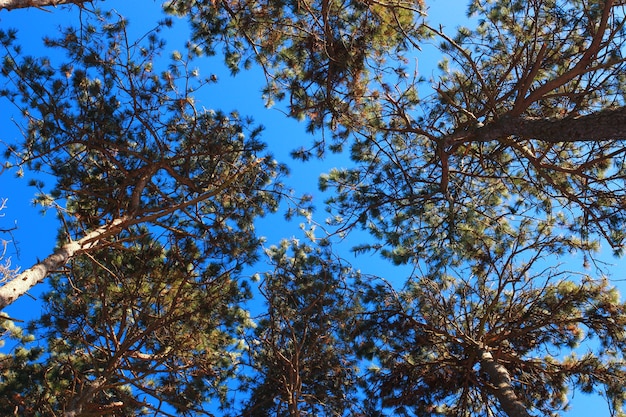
{"points": [[22, 4], [499, 376], [608, 124], [23, 282]]}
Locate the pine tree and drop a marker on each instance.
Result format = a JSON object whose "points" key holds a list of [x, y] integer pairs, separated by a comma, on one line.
{"points": [[302, 363], [504, 331], [127, 146], [520, 143], [514, 162], [132, 329], [157, 199], [318, 55]]}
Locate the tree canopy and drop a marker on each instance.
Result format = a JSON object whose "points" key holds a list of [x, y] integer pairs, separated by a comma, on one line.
{"points": [[477, 186]]}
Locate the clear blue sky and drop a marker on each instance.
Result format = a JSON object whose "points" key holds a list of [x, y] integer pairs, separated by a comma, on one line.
{"points": [[35, 236]]}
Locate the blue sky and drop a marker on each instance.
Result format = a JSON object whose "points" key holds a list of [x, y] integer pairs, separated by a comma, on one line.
{"points": [[35, 236]]}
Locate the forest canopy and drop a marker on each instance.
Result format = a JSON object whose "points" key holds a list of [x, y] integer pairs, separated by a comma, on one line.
{"points": [[488, 192]]}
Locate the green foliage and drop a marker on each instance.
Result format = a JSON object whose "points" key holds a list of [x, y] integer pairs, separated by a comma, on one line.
{"points": [[136, 323], [144, 322], [514, 162], [426, 339], [320, 56], [493, 145], [121, 139], [303, 364]]}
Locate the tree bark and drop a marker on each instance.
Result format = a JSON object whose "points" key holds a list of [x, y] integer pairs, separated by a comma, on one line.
{"points": [[22, 4], [19, 285], [607, 124], [77, 404], [23, 282], [499, 376]]}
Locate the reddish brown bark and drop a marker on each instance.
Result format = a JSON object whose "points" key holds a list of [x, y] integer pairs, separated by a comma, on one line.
{"points": [[607, 124], [499, 377]]}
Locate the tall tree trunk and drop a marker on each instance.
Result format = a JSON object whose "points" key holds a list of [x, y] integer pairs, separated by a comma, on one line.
{"points": [[23, 282], [19, 285], [499, 376], [22, 4], [607, 124]]}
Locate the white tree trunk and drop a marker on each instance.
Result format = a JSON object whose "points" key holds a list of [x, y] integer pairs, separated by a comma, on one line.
{"points": [[22, 4], [19, 285], [23, 282]]}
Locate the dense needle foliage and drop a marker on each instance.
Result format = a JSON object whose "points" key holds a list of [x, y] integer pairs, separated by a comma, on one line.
{"points": [[478, 186]]}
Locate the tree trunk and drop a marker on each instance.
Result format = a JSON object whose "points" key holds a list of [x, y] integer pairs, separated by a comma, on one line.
{"points": [[23, 282], [607, 124], [22, 4], [499, 376], [19, 285]]}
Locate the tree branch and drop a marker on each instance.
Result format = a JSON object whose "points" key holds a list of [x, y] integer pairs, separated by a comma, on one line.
{"points": [[608, 124], [578, 69], [23, 282], [499, 376], [22, 4]]}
